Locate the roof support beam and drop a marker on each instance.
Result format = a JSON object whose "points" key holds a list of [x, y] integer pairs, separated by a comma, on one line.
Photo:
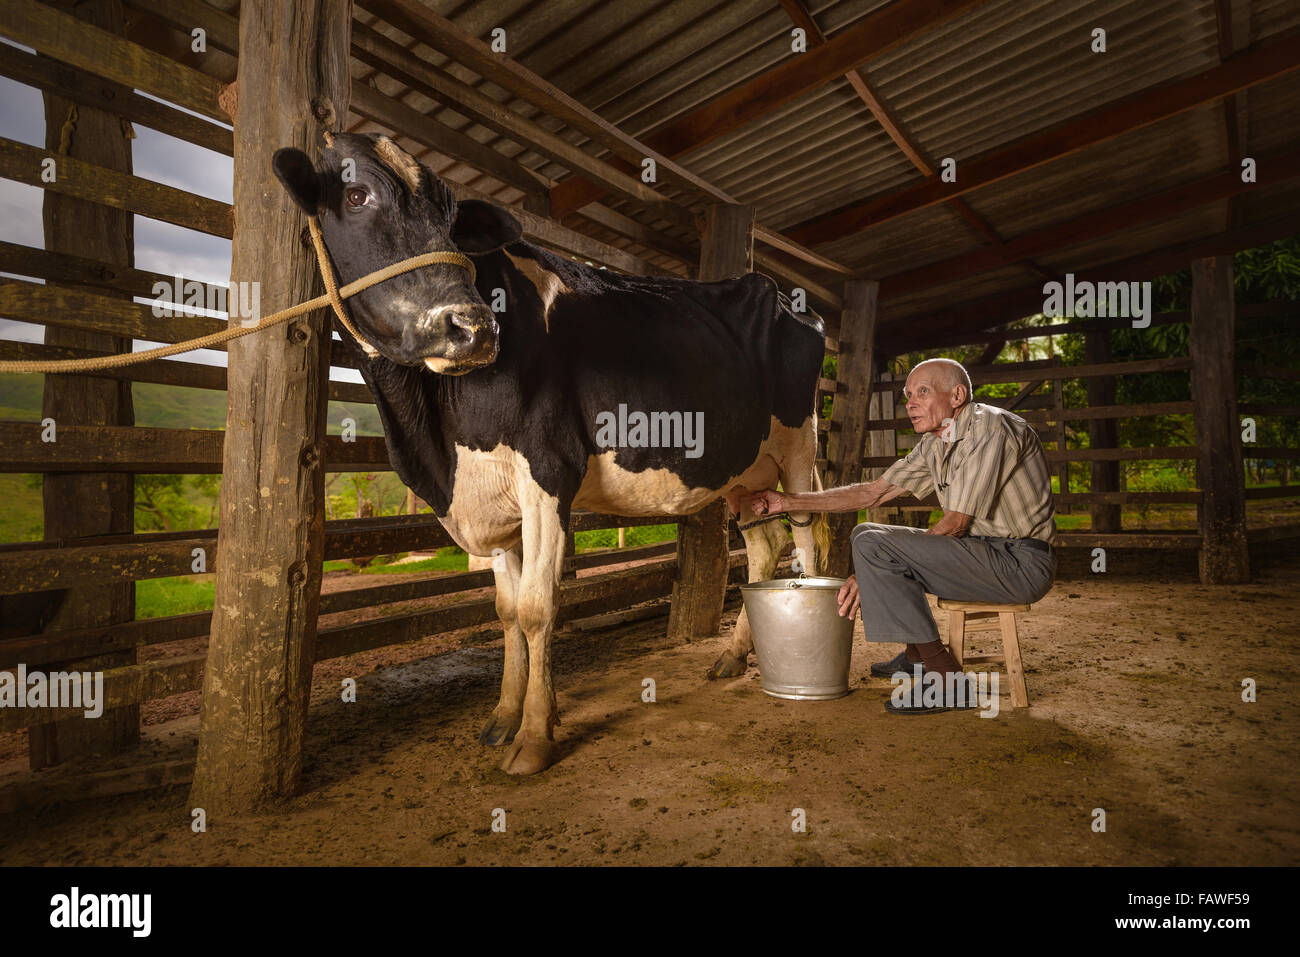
{"points": [[897, 131], [422, 23], [1279, 167], [919, 332], [875, 34], [1097, 126]]}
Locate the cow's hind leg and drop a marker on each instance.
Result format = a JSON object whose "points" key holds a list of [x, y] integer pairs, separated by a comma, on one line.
{"points": [[509, 712], [763, 544], [539, 600]]}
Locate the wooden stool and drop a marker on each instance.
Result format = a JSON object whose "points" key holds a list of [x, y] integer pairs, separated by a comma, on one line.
{"points": [[960, 612]]}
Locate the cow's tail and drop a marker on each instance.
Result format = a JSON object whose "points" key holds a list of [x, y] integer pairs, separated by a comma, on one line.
{"points": [[821, 530]]}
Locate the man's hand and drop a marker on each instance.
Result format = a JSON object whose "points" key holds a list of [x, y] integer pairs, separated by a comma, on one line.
{"points": [[848, 597], [956, 524], [767, 502]]}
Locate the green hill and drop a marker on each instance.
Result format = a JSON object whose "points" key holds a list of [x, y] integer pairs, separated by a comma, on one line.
{"points": [[170, 407]]}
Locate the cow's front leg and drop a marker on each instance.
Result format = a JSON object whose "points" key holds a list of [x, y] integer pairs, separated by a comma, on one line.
{"points": [[504, 721], [539, 600]]}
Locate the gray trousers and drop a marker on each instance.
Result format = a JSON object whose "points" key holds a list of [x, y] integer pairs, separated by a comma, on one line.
{"points": [[897, 565]]}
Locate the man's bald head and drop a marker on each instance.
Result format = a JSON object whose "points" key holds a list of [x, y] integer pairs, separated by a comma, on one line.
{"points": [[936, 390], [947, 373]]}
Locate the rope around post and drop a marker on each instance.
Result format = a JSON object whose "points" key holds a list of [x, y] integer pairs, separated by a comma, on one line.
{"points": [[333, 297]]}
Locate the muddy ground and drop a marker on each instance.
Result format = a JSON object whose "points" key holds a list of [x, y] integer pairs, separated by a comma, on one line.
{"points": [[1135, 683]]}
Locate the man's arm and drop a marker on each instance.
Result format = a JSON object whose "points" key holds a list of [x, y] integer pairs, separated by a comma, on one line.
{"points": [[849, 498], [956, 524]]}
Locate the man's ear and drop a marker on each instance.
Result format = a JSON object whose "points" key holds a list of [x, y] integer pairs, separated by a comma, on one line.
{"points": [[294, 169], [482, 227]]}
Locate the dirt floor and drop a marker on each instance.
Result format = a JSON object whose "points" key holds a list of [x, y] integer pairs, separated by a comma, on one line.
{"points": [[1135, 680]]}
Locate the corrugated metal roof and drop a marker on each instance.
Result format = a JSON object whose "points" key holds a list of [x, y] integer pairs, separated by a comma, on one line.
{"points": [[1003, 71]]}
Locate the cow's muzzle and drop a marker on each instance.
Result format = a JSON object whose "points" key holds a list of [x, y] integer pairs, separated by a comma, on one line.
{"points": [[455, 339]]}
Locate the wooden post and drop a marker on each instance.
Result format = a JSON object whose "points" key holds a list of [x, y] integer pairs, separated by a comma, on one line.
{"points": [[1058, 407], [569, 568], [726, 250], [1102, 434], [854, 369], [78, 504], [293, 82], [1224, 558]]}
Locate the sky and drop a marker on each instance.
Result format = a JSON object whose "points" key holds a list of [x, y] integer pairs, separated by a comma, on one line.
{"points": [[159, 247]]}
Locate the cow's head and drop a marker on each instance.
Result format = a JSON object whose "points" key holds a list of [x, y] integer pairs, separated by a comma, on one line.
{"points": [[378, 205]]}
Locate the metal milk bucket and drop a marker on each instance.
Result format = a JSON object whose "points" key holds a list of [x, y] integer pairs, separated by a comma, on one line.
{"points": [[802, 642]]}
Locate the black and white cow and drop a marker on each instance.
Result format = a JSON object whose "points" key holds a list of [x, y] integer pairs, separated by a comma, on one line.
{"points": [[494, 418]]}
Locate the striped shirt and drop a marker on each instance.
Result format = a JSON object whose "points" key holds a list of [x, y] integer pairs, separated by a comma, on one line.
{"points": [[992, 468]]}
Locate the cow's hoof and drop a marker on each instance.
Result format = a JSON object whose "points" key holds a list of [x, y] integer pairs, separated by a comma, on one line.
{"points": [[498, 730], [528, 755], [729, 666]]}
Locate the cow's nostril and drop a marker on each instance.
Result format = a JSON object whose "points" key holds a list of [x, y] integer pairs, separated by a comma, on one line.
{"points": [[461, 328]]}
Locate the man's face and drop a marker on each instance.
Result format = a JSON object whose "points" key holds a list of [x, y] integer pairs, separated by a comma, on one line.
{"points": [[930, 399]]}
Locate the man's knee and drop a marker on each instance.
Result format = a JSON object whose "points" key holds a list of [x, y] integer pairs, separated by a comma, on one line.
{"points": [[869, 538]]}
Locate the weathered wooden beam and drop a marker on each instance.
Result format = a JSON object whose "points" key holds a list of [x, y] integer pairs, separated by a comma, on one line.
{"points": [[155, 451], [1039, 417], [1001, 336], [1046, 370], [1279, 167], [895, 129], [855, 369], [660, 242], [442, 34], [124, 688], [191, 375], [80, 179], [1084, 455], [920, 332], [222, 28], [35, 566], [99, 51], [89, 89], [67, 308], [1128, 540], [93, 502], [548, 232], [1103, 433], [726, 250], [294, 83], [877, 33], [439, 85], [66, 268], [409, 122], [766, 262], [1096, 126], [1224, 557], [422, 23]]}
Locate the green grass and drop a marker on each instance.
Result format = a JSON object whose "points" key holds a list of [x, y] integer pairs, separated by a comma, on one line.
{"points": [[160, 597], [170, 406], [638, 535], [23, 517], [449, 559]]}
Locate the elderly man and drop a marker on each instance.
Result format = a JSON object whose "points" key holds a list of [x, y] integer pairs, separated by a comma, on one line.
{"points": [[994, 542]]}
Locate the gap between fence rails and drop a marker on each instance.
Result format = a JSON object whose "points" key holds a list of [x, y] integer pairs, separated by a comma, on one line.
{"points": [[333, 296]]}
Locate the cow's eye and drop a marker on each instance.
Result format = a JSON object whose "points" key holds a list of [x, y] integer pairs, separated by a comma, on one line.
{"points": [[357, 197]]}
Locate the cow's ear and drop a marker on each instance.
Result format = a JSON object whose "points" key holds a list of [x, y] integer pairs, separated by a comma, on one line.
{"points": [[294, 169], [482, 227]]}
